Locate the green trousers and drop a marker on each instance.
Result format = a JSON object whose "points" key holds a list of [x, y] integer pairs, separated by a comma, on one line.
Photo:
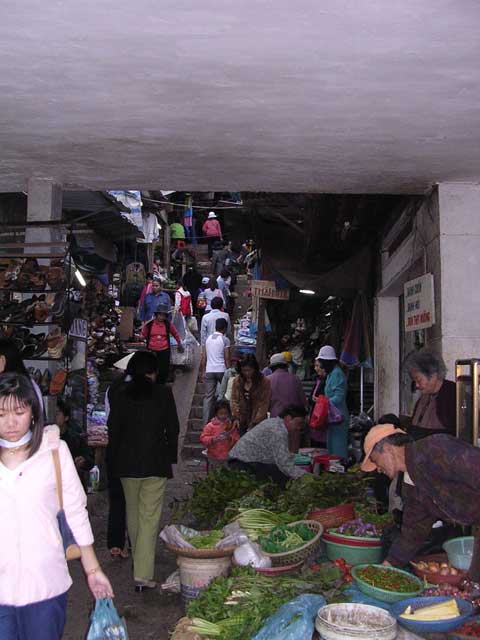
{"points": [[143, 499]]}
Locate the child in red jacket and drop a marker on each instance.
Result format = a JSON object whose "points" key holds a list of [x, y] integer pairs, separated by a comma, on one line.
{"points": [[157, 333], [218, 435]]}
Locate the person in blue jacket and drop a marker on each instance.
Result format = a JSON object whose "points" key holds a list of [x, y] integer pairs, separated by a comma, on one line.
{"points": [[336, 392]]}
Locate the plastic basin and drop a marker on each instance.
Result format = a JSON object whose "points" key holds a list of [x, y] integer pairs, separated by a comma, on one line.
{"points": [[383, 594], [352, 542], [459, 552], [352, 554], [437, 626]]}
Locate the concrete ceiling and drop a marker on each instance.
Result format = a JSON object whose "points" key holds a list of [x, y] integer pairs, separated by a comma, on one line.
{"points": [[312, 95]]}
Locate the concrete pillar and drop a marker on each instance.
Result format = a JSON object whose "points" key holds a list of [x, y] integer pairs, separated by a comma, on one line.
{"points": [[387, 355], [459, 217], [44, 200]]}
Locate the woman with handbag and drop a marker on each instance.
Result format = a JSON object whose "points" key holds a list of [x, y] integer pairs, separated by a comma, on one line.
{"points": [[42, 511], [336, 392], [143, 438], [318, 435]]}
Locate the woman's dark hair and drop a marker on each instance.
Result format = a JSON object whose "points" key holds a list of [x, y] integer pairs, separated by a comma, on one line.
{"points": [[17, 389], [63, 407], [249, 360], [212, 284], [390, 418], [294, 411], [13, 358], [140, 365], [225, 273], [222, 404], [328, 365], [426, 363]]}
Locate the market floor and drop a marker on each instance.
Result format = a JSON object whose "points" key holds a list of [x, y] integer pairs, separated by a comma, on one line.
{"points": [[151, 615]]}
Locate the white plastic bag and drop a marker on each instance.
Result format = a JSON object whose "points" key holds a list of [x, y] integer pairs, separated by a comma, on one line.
{"points": [[250, 554]]}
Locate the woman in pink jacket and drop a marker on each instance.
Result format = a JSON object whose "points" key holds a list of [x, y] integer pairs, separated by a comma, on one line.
{"points": [[34, 574], [212, 230]]}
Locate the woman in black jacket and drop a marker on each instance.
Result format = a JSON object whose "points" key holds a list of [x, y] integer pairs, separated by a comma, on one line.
{"points": [[143, 433]]}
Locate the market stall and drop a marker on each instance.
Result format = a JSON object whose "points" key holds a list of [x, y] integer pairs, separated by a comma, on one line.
{"points": [[306, 560]]}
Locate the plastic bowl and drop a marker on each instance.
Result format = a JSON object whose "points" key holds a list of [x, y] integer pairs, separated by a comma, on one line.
{"points": [[437, 626], [353, 555], [383, 594], [460, 552], [352, 621], [352, 542], [342, 537]]}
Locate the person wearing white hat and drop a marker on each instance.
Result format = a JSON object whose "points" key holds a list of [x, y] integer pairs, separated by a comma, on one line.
{"points": [[212, 231], [336, 392]]}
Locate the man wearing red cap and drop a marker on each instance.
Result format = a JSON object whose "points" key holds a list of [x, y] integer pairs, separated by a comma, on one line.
{"points": [[441, 482]]}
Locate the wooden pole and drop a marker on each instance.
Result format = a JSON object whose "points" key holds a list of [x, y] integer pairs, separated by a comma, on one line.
{"points": [[260, 348]]}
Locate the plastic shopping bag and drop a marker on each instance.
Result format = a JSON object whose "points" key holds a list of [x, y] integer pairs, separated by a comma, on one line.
{"points": [[318, 418], [293, 621], [105, 623], [334, 415]]}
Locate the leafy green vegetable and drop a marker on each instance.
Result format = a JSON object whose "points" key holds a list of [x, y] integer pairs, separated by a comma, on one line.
{"points": [[281, 539], [241, 603], [320, 492], [206, 541], [212, 494]]}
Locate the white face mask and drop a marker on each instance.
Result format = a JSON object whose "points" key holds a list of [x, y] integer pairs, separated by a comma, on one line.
{"points": [[12, 445]]}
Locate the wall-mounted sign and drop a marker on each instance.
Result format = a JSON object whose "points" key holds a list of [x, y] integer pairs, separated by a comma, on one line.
{"points": [[267, 289], [419, 303]]}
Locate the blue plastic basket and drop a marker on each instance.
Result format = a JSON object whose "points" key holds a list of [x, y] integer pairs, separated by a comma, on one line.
{"points": [[438, 626]]}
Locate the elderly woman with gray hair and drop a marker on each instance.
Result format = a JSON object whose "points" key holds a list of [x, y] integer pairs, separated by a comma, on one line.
{"points": [[435, 410]]}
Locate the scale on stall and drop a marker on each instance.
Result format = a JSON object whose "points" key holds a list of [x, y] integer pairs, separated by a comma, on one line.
{"points": [[468, 395]]}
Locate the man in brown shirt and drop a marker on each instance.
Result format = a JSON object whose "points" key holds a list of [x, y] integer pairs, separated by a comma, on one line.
{"points": [[441, 482]]}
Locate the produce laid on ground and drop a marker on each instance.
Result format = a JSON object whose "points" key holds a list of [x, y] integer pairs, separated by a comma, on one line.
{"points": [[469, 630], [235, 608], [212, 494], [285, 538]]}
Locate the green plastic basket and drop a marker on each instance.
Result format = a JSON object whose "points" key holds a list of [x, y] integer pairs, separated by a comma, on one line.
{"points": [[353, 555], [383, 594]]}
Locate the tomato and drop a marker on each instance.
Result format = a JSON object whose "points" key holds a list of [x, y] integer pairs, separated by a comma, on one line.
{"points": [[347, 578], [339, 562]]}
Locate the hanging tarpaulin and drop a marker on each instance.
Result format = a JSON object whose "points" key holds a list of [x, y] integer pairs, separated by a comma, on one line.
{"points": [[357, 344], [132, 200]]}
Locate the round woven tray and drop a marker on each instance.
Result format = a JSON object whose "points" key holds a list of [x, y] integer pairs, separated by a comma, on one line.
{"points": [[301, 553]]}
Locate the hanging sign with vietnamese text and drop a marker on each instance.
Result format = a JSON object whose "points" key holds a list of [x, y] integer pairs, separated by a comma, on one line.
{"points": [[419, 303], [267, 289]]}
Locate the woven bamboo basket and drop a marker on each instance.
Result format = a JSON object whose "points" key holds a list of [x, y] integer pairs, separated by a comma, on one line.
{"points": [[301, 553]]}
